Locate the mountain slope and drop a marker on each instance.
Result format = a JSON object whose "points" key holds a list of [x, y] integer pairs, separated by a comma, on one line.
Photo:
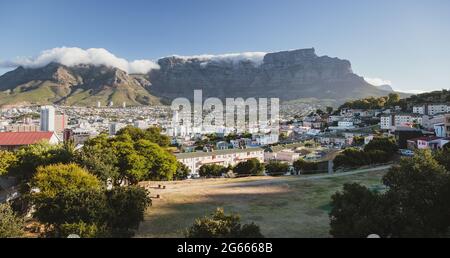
{"points": [[288, 75], [82, 85]]}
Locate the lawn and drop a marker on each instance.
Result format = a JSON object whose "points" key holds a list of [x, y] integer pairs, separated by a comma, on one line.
{"points": [[282, 207]]}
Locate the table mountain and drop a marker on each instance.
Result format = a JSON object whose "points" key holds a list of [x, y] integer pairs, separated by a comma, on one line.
{"points": [[288, 75]]}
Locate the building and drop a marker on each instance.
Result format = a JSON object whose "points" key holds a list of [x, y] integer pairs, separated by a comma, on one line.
{"points": [[15, 140], [230, 157], [115, 127], [403, 134], [391, 121], [60, 123], [431, 109], [427, 142], [22, 128], [47, 119]]}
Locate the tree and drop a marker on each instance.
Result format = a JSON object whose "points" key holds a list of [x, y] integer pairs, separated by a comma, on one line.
{"points": [[302, 165], [31, 157], [277, 168], [221, 225], [52, 179], [152, 134], [127, 206], [249, 167], [356, 212], [7, 160], [127, 160], [73, 207], [385, 144], [91, 212], [393, 99], [329, 110], [10, 224], [416, 203], [182, 172], [212, 170]]}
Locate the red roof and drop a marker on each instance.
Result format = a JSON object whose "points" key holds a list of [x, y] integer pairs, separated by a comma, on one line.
{"points": [[23, 138]]}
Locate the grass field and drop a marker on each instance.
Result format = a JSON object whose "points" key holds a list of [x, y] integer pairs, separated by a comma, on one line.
{"points": [[282, 207]]}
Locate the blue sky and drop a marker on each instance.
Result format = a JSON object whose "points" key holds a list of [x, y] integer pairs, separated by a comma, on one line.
{"points": [[404, 41]]}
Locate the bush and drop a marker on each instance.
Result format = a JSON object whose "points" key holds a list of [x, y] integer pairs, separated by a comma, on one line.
{"points": [[277, 168], [11, 225], [220, 225], [249, 167], [303, 166], [212, 170]]}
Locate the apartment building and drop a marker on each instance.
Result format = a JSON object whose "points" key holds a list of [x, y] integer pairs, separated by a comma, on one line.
{"points": [[431, 109], [230, 157], [404, 120]]}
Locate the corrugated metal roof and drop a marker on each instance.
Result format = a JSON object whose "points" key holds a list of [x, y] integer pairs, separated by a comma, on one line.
{"points": [[23, 138]]}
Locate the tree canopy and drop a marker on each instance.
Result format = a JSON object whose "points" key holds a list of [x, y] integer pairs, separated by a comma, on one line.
{"points": [[221, 225], [415, 204]]}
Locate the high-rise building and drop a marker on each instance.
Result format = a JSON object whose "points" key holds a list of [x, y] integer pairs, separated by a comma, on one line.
{"points": [[47, 119]]}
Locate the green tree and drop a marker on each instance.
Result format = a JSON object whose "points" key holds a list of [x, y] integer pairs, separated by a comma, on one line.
{"points": [[212, 170], [249, 167], [182, 172], [31, 157], [11, 225], [7, 160], [276, 168], [415, 204], [127, 206], [302, 165], [152, 134], [70, 207], [385, 144], [393, 99], [221, 225], [52, 179], [357, 213]]}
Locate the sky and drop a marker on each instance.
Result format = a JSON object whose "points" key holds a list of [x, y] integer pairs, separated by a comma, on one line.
{"points": [[405, 42]]}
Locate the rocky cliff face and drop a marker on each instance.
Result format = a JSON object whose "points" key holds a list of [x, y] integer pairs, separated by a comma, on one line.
{"points": [[288, 75], [83, 85]]}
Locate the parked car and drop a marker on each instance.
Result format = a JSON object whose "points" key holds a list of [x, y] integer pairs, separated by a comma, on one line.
{"points": [[406, 152]]}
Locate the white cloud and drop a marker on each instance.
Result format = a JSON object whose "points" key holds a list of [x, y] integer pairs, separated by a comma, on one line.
{"points": [[377, 81], [71, 56], [255, 57]]}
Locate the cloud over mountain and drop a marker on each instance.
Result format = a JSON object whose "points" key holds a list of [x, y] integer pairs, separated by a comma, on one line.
{"points": [[255, 57], [72, 56], [377, 81]]}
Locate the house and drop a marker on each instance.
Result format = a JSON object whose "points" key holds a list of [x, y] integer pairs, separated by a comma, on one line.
{"points": [[15, 140], [230, 157], [403, 134], [427, 142]]}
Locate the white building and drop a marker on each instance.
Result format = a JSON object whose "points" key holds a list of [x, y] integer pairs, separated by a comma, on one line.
{"points": [[431, 109], [47, 119], [230, 157], [115, 127], [265, 139], [395, 120]]}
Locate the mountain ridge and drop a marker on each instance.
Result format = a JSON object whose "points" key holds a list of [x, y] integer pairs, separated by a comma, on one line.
{"points": [[288, 75]]}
